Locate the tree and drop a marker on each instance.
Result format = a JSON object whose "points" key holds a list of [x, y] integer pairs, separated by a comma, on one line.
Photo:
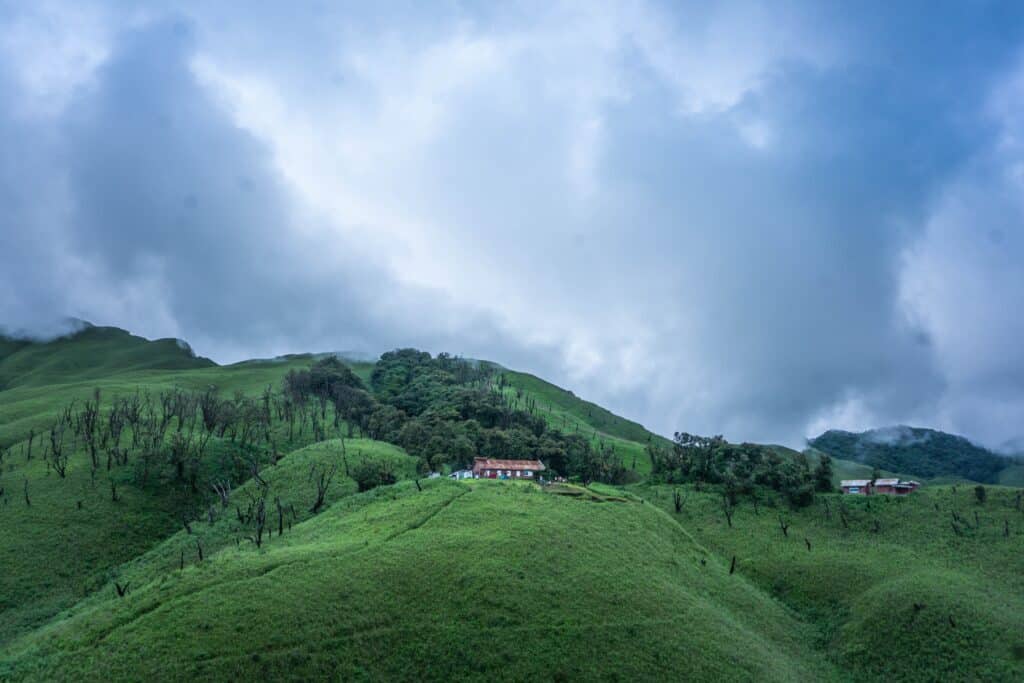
{"points": [[823, 474], [980, 494], [322, 479]]}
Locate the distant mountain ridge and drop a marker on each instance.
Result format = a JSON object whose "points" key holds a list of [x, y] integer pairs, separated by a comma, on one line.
{"points": [[923, 452], [89, 352]]}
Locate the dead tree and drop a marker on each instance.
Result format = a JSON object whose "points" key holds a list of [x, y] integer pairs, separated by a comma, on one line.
{"points": [[223, 491], [280, 516], [199, 548], [808, 542], [732, 565], [113, 492], [187, 525], [677, 500], [87, 422], [259, 516], [58, 453], [784, 525], [322, 483], [728, 509], [1006, 528], [121, 590], [28, 501]]}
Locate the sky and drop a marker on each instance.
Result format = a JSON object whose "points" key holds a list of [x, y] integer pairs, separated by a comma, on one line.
{"points": [[756, 219]]}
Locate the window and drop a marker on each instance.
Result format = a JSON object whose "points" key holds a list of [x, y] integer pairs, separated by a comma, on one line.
{"points": [[527, 473]]}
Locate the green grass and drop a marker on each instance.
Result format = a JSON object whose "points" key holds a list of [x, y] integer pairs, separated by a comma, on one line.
{"points": [[565, 411], [477, 580], [1012, 476], [859, 586]]}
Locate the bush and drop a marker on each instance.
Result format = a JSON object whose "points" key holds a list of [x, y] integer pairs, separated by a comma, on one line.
{"points": [[371, 474], [980, 493]]}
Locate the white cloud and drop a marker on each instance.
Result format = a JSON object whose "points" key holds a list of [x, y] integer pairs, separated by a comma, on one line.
{"points": [[684, 211]]}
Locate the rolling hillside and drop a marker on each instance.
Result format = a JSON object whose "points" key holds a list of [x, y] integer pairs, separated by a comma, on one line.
{"points": [[452, 581], [313, 546]]}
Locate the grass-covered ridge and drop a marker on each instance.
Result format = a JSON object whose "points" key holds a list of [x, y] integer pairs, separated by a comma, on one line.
{"points": [[451, 581], [274, 519]]}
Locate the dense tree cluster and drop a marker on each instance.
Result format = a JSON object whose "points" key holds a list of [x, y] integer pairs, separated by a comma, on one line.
{"points": [[740, 469], [445, 411]]}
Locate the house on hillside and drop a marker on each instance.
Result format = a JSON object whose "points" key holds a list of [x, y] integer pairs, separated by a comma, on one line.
{"points": [[895, 486], [886, 485], [889, 486], [489, 468], [859, 487], [461, 474]]}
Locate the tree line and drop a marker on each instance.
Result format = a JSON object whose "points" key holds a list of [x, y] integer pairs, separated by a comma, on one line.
{"points": [[739, 469]]}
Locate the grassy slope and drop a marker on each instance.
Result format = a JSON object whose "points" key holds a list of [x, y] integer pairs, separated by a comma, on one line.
{"points": [[565, 411], [1012, 476], [860, 586], [397, 581], [37, 380], [82, 545], [486, 579], [94, 352]]}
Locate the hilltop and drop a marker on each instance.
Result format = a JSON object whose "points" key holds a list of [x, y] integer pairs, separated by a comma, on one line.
{"points": [[275, 519], [925, 453]]}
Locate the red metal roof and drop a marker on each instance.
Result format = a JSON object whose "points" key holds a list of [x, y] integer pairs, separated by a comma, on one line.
{"points": [[491, 464]]}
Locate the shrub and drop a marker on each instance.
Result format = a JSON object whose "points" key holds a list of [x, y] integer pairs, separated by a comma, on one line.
{"points": [[371, 474]]}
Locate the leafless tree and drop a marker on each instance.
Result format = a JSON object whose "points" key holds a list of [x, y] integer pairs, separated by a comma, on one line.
{"points": [[223, 491], [728, 509], [322, 481]]}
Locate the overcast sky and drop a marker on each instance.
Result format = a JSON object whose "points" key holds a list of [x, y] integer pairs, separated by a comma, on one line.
{"points": [[756, 219]]}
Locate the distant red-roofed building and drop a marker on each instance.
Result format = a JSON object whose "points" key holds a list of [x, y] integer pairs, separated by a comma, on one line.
{"points": [[490, 468]]}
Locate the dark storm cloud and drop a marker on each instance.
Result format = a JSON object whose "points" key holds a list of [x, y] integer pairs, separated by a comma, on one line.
{"points": [[740, 219]]}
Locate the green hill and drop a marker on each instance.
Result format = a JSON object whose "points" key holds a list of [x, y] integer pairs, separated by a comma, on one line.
{"points": [[926, 587], [274, 519], [91, 353], [482, 580], [924, 453]]}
